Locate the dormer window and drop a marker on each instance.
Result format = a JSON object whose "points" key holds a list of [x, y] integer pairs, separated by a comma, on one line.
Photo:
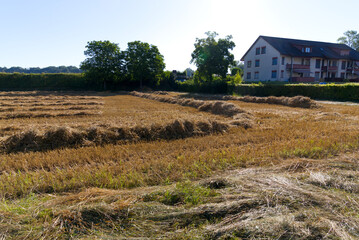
{"points": [[344, 53], [306, 49]]}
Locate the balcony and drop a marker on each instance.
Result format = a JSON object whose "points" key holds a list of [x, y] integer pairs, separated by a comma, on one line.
{"points": [[350, 69], [297, 66], [330, 68]]}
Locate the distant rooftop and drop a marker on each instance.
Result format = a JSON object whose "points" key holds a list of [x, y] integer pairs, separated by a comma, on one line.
{"points": [[289, 47]]}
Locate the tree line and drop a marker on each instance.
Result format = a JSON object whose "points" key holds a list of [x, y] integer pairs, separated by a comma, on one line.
{"points": [[51, 69], [142, 64], [106, 65]]}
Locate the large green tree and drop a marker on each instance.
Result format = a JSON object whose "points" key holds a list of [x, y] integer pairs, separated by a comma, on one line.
{"points": [[212, 56], [350, 38], [104, 63], [144, 62]]}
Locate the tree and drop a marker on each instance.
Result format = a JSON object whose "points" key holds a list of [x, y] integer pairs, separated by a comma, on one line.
{"points": [[238, 78], [350, 38], [144, 63], [237, 67], [105, 63], [212, 56]]}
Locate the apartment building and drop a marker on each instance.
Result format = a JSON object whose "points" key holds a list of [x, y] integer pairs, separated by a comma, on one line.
{"points": [[282, 59]]}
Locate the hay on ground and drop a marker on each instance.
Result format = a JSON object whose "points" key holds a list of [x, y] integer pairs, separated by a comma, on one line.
{"points": [[297, 101], [68, 137], [214, 107]]}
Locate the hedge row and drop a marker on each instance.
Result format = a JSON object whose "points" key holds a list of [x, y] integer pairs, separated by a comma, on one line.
{"points": [[215, 87], [340, 92], [76, 81], [47, 81]]}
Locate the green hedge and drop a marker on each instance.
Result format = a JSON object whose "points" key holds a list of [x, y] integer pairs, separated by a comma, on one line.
{"points": [[47, 81], [341, 92], [214, 87]]}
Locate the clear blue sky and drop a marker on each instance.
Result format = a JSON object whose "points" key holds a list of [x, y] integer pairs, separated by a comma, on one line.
{"points": [[41, 33]]}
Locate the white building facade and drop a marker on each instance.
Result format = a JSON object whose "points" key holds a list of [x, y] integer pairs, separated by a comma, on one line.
{"points": [[280, 59]]}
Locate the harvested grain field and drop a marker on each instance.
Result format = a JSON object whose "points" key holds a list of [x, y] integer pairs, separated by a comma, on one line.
{"points": [[89, 165]]}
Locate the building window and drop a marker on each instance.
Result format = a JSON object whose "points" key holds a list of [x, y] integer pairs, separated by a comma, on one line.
{"points": [[257, 63], [306, 74], [283, 60], [256, 75], [306, 61], [317, 63], [274, 74], [343, 65], [306, 49], [249, 75], [334, 63], [317, 75], [282, 74], [258, 51], [249, 64], [274, 61], [342, 75], [263, 50]]}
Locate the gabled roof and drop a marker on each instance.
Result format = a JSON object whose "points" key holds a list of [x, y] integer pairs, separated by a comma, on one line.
{"points": [[287, 46]]}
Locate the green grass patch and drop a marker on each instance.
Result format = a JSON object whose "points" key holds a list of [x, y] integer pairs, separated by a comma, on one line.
{"points": [[184, 193]]}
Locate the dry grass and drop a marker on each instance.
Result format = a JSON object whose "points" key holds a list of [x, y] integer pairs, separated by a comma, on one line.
{"points": [[63, 137], [290, 175], [214, 107], [297, 101], [48, 103], [282, 202], [47, 115], [40, 109]]}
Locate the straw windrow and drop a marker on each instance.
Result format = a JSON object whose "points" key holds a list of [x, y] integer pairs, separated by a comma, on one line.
{"points": [[297, 101], [62, 137], [214, 107]]}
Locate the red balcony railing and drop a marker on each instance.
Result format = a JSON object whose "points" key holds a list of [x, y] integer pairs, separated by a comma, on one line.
{"points": [[297, 66], [350, 69], [330, 68]]}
